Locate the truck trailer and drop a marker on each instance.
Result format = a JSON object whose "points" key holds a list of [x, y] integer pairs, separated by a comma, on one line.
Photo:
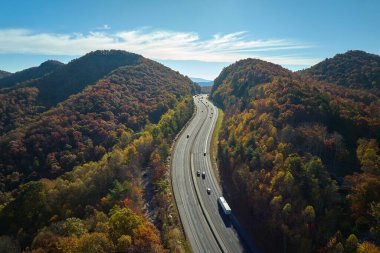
{"points": [[224, 205]]}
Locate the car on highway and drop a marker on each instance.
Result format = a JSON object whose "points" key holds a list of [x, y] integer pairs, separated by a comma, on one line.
{"points": [[203, 174], [208, 191], [188, 136], [198, 173], [204, 154]]}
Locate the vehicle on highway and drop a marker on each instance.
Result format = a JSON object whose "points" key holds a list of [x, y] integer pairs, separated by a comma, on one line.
{"points": [[208, 191], [224, 205], [204, 154], [198, 173], [188, 136], [203, 174]]}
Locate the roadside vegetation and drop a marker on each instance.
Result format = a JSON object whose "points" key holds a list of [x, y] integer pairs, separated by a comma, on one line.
{"points": [[214, 144]]}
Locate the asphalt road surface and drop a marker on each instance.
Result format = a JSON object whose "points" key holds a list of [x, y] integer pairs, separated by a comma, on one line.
{"points": [[206, 227]]}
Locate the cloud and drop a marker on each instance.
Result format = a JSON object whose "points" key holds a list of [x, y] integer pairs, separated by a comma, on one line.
{"points": [[156, 44], [103, 27]]}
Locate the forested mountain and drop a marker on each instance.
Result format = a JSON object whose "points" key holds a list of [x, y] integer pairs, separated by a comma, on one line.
{"points": [[304, 157], [4, 74], [30, 73], [354, 69], [77, 74], [87, 155], [54, 82]]}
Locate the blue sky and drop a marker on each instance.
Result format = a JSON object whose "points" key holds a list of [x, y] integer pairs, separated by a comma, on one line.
{"points": [[197, 38]]}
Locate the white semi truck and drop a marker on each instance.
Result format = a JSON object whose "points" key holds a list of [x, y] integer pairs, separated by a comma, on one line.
{"points": [[224, 205]]}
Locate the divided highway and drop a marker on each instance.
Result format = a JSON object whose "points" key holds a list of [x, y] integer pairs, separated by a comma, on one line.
{"points": [[206, 227]]}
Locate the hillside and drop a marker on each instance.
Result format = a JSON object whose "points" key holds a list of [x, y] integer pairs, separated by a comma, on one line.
{"points": [[77, 74], [301, 154], [236, 80], [4, 74], [72, 174], [89, 123], [354, 69], [20, 103], [30, 73], [206, 89]]}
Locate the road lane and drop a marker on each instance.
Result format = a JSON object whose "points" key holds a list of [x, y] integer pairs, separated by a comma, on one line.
{"points": [[206, 227], [196, 228]]}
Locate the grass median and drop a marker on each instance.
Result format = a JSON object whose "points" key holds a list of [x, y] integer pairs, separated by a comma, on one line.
{"points": [[214, 144]]}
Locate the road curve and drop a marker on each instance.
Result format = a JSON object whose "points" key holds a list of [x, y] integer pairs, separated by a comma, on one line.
{"points": [[206, 228]]}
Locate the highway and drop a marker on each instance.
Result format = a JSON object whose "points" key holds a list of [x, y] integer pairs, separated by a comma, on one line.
{"points": [[206, 227]]}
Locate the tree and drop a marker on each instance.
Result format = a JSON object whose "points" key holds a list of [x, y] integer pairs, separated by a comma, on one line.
{"points": [[351, 244], [374, 213], [367, 247], [146, 239], [73, 226], [95, 242], [123, 221], [368, 153], [309, 214]]}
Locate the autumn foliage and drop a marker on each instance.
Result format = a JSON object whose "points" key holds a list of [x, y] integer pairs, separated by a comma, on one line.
{"points": [[85, 175], [287, 144]]}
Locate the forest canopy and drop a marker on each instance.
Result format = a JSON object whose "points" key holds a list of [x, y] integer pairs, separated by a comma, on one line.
{"points": [[84, 175], [302, 154]]}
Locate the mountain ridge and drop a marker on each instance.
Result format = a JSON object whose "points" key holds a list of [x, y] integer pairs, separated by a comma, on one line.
{"points": [[43, 69], [353, 69], [4, 74]]}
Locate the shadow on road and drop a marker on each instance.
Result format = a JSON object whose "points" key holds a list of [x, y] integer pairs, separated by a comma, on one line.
{"points": [[225, 218]]}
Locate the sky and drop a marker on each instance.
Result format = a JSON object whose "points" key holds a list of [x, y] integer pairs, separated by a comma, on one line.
{"points": [[197, 38]]}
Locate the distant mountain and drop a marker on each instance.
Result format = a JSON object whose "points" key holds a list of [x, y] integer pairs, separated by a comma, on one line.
{"points": [[204, 84], [30, 73], [197, 80], [201, 81], [4, 74], [354, 69]]}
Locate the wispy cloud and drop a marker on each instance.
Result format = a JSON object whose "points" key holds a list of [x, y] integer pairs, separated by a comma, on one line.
{"points": [[156, 44], [103, 27]]}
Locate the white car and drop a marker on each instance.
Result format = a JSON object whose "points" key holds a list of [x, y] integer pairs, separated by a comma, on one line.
{"points": [[208, 191]]}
